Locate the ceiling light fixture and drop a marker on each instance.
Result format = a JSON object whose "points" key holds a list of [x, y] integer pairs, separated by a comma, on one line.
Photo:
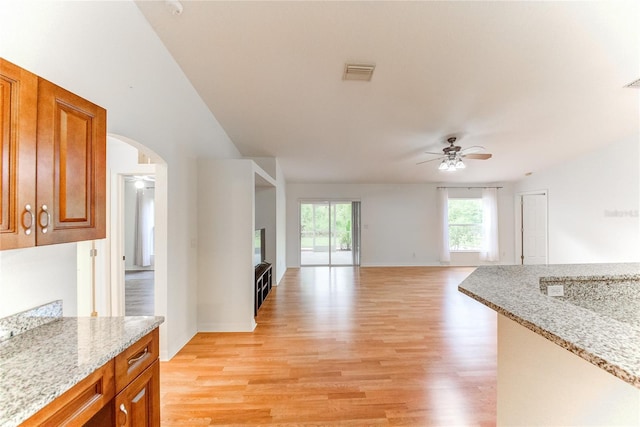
{"points": [[452, 163]]}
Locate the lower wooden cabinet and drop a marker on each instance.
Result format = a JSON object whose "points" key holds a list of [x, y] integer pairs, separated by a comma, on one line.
{"points": [[137, 405], [81, 403], [125, 392], [137, 401]]}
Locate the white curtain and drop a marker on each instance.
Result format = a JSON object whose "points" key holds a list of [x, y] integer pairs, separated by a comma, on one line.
{"points": [[490, 250], [143, 244], [443, 222]]}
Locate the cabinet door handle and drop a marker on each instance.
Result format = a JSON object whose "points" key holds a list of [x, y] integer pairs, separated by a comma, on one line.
{"points": [[28, 228], [45, 210], [123, 409], [138, 356]]}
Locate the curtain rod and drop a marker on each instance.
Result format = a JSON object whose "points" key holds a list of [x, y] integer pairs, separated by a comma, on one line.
{"points": [[469, 188]]}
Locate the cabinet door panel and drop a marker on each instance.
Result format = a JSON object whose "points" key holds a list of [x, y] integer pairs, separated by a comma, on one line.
{"points": [[18, 103], [138, 405], [71, 167]]}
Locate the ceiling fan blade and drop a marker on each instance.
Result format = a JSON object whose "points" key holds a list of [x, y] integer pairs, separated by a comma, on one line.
{"points": [[478, 156], [435, 154], [431, 160], [472, 149]]}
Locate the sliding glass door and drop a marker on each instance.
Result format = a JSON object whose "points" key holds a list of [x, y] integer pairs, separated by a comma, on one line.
{"points": [[314, 233], [326, 233]]}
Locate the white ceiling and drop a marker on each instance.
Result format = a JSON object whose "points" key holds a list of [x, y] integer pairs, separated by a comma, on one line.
{"points": [[536, 83]]}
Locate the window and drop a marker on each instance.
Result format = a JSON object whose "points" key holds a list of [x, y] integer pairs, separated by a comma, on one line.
{"points": [[465, 225]]}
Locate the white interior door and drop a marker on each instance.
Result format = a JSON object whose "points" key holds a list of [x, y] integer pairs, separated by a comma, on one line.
{"points": [[534, 229]]}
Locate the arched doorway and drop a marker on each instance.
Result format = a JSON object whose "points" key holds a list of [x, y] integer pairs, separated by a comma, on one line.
{"points": [[105, 272]]}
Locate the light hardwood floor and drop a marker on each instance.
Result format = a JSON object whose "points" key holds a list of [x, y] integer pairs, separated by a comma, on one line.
{"points": [[344, 346]]}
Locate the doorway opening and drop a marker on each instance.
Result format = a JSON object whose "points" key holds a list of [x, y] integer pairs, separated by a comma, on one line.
{"points": [[132, 164], [101, 263], [139, 237], [329, 233], [532, 228]]}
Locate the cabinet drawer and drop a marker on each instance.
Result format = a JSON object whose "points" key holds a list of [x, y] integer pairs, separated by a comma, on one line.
{"points": [[77, 405], [135, 359]]}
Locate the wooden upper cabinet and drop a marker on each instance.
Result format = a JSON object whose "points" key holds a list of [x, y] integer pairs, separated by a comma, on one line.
{"points": [[71, 167], [52, 134], [18, 106]]}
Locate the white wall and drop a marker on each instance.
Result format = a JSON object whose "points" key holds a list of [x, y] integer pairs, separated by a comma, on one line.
{"points": [[31, 277], [225, 246], [108, 53], [593, 205], [399, 222], [281, 225]]}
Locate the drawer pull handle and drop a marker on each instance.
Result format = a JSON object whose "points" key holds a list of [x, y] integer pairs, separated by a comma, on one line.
{"points": [[139, 356], [123, 409]]}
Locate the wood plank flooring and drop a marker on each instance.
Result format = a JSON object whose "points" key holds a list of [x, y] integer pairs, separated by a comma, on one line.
{"points": [[344, 346], [139, 293]]}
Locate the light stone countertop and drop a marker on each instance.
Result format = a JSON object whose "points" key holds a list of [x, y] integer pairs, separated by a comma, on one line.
{"points": [[41, 364], [611, 344]]}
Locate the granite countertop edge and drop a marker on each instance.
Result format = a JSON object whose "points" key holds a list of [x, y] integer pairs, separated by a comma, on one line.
{"points": [[514, 291], [42, 364]]}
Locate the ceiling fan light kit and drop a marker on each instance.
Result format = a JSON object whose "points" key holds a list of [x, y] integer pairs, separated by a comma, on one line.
{"points": [[453, 154], [452, 165]]}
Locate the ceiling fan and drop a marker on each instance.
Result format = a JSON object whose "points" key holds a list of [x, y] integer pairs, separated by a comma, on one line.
{"points": [[453, 154]]}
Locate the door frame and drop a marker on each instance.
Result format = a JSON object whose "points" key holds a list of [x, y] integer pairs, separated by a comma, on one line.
{"points": [[518, 222]]}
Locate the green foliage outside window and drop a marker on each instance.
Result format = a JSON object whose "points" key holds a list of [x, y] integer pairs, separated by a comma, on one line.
{"points": [[313, 238], [465, 224]]}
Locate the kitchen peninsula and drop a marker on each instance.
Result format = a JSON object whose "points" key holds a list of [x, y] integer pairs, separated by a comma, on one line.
{"points": [[568, 342]]}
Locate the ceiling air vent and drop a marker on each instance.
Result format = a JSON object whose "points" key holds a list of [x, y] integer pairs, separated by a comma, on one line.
{"points": [[362, 72], [635, 84]]}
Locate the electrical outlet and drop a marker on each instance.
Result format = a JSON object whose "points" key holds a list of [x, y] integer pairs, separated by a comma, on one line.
{"points": [[555, 290]]}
